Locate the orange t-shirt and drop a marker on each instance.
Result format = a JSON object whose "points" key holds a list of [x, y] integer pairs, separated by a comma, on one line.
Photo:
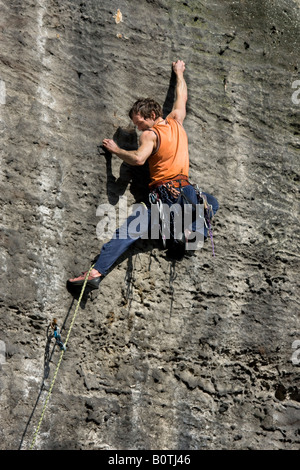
{"points": [[171, 158]]}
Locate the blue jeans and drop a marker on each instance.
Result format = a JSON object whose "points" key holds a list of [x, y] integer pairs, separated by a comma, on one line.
{"points": [[129, 232]]}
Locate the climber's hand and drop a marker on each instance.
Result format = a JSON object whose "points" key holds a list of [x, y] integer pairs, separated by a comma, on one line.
{"points": [[110, 145], [178, 67]]}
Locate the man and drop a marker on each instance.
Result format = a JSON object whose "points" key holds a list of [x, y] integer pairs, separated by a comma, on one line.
{"points": [[164, 144]]}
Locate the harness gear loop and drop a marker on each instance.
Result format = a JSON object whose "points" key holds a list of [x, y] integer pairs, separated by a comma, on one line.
{"points": [[60, 359]]}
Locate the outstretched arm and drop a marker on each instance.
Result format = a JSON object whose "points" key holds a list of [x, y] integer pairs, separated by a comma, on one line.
{"points": [[179, 109], [133, 157]]}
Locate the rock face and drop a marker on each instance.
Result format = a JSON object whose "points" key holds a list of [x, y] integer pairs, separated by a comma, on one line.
{"points": [[200, 353]]}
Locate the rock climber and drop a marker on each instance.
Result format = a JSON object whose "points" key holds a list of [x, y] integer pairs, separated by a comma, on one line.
{"points": [[164, 145]]}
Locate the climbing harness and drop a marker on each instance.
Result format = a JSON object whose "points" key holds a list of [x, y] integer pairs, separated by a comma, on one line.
{"points": [[170, 192], [63, 349]]}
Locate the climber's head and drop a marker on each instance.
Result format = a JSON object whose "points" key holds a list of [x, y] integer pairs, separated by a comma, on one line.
{"points": [[144, 113]]}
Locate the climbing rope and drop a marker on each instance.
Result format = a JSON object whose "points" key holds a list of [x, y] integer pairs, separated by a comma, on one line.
{"points": [[60, 359]]}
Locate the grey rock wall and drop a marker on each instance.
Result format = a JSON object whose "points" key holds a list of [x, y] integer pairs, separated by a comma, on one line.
{"points": [[197, 354]]}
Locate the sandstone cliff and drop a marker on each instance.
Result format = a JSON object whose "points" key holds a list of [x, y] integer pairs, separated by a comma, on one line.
{"points": [[192, 354]]}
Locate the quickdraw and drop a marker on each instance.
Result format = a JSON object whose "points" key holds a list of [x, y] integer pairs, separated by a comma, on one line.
{"points": [[56, 334]]}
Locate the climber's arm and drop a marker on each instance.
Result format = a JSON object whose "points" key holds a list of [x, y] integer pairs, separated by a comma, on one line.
{"points": [[134, 157], [179, 109]]}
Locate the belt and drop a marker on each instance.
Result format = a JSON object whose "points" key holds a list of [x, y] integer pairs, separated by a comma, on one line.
{"points": [[179, 181]]}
